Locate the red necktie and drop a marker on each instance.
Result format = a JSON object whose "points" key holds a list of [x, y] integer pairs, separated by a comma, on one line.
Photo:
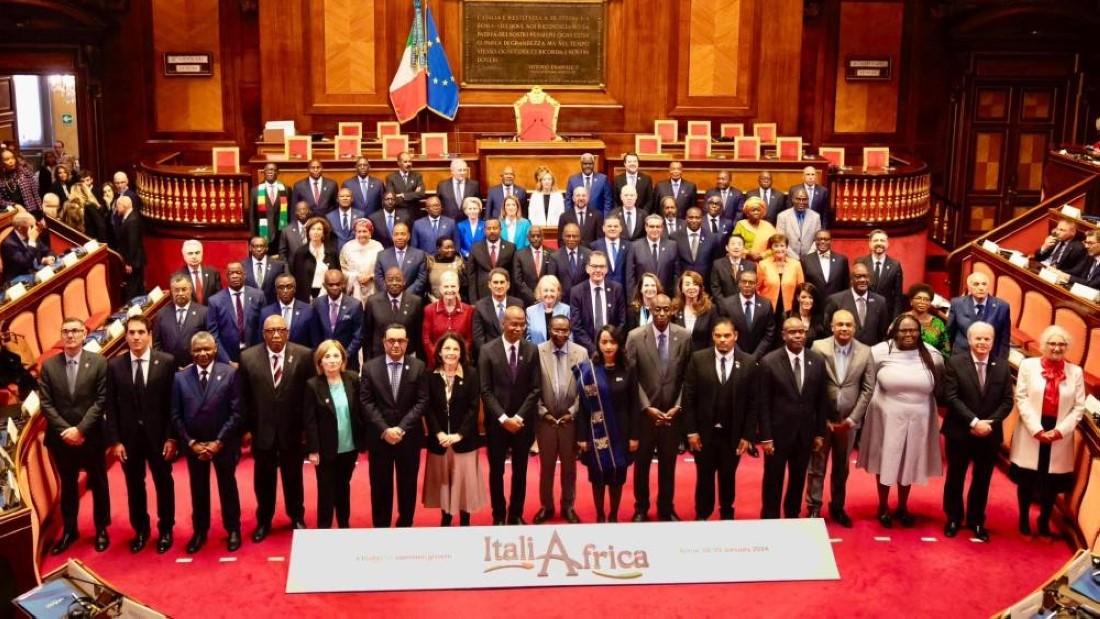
{"points": [[198, 286], [493, 254]]}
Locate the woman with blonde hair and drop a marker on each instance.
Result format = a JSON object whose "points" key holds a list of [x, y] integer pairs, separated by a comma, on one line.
{"points": [[546, 203], [72, 213], [358, 258], [780, 275], [513, 225]]}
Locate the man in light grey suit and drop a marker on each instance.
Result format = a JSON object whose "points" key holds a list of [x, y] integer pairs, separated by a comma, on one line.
{"points": [[799, 224], [555, 432], [659, 353], [845, 361]]}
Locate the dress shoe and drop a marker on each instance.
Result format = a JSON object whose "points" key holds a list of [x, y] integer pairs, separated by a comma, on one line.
{"points": [[885, 520], [198, 540], [951, 529], [67, 539], [753, 451], [639, 517], [542, 515], [138, 543], [905, 518], [101, 540], [838, 516], [498, 522], [233, 543], [670, 517], [261, 532], [164, 542], [981, 532], [518, 520], [813, 512], [571, 516], [298, 524]]}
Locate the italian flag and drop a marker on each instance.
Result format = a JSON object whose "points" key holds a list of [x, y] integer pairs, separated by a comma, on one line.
{"points": [[409, 88]]}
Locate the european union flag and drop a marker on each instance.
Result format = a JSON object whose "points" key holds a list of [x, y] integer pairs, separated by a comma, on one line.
{"points": [[442, 89]]}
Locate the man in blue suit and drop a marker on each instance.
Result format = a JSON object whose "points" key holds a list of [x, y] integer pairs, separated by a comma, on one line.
{"points": [[177, 323], [384, 220], [21, 255], [365, 190], [339, 317], [705, 245], [494, 204], [412, 261], [233, 315], [298, 314], [427, 230], [976, 305], [206, 415], [616, 248], [260, 269], [597, 184], [344, 217], [595, 303]]}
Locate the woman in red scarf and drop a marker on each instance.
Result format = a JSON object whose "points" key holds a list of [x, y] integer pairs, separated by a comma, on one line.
{"points": [[1050, 394]]}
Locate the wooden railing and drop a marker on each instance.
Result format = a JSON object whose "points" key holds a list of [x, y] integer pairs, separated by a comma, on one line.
{"points": [[181, 194], [944, 221], [895, 197]]}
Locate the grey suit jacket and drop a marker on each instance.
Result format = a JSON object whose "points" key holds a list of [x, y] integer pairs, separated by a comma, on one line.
{"points": [[83, 408], [852, 385], [551, 401], [659, 384]]}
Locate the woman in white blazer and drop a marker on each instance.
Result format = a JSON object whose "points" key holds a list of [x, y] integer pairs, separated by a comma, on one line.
{"points": [[549, 305], [546, 203], [1050, 395]]}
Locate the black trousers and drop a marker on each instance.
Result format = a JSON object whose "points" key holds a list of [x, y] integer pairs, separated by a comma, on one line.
{"points": [[334, 489], [134, 285], [225, 469], [717, 459], [139, 456], [288, 463], [665, 441], [501, 442], [70, 460], [792, 459], [982, 453], [402, 459]]}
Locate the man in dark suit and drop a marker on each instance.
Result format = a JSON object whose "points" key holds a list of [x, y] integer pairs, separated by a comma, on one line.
{"points": [[20, 255], [729, 198], [406, 185], [531, 263], [453, 191], [640, 181], [268, 201], [316, 190], [509, 370], [260, 269], [294, 235], [653, 254], [392, 305], [122, 188], [233, 316], [339, 316], [792, 424], [825, 269], [632, 216], [714, 220], [977, 305], [616, 248], [588, 220], [486, 255], [720, 409], [299, 316], [569, 262], [886, 275], [1061, 249], [394, 391], [817, 194], [176, 324], [205, 281], [73, 392], [206, 416], [366, 190], [488, 321], [272, 377], [978, 393], [659, 353], [752, 315], [869, 308], [595, 303], [344, 217], [774, 199], [695, 247], [412, 262], [129, 241], [494, 203], [1087, 272], [725, 271], [684, 192], [139, 430], [670, 221], [387, 218], [596, 185], [428, 230]]}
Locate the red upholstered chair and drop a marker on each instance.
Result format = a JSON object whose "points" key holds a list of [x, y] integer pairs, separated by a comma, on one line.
{"points": [[1036, 316], [1092, 361], [1009, 291], [74, 302], [537, 117], [49, 321], [23, 324], [99, 299], [1078, 331]]}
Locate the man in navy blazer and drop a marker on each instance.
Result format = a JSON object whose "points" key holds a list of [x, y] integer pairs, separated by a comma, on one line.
{"points": [[344, 217], [729, 198], [348, 311], [706, 245], [814, 264], [977, 305], [260, 269], [386, 218], [818, 195], [774, 199], [487, 325], [714, 221], [20, 256], [640, 181], [642, 257], [298, 314], [316, 190], [1087, 271], [366, 190], [616, 248], [412, 262], [583, 298], [205, 281], [755, 329], [683, 191], [725, 271], [453, 191], [869, 308], [494, 203], [427, 230], [206, 416], [177, 323], [231, 331], [569, 262], [588, 220], [886, 275], [597, 184]]}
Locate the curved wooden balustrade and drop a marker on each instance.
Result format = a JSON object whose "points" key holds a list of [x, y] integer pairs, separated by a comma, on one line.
{"points": [[893, 198], [193, 196]]}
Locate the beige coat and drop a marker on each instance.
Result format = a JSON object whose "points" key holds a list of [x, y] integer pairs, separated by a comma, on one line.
{"points": [[1029, 401]]}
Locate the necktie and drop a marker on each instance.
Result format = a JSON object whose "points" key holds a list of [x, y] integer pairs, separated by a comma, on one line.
{"points": [[288, 313], [662, 349], [271, 196], [1092, 271], [393, 304], [580, 219], [825, 263], [346, 222], [513, 362], [203, 380], [841, 363], [767, 196], [302, 233], [598, 309], [198, 284], [139, 379], [507, 191], [798, 374], [389, 223], [810, 198], [400, 256], [801, 218], [537, 254], [276, 370], [861, 309], [878, 271], [493, 254], [70, 374], [435, 229], [573, 261], [587, 184], [614, 251], [629, 224], [981, 375], [714, 225], [395, 378], [1057, 254], [979, 310], [653, 251], [333, 313], [405, 178], [671, 226], [559, 373], [723, 368], [676, 189], [748, 314], [363, 188], [317, 193], [632, 179], [240, 313], [500, 313], [180, 313], [694, 242], [260, 274], [725, 196]]}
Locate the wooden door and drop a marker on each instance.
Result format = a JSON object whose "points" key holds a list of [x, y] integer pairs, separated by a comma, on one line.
{"points": [[8, 129]]}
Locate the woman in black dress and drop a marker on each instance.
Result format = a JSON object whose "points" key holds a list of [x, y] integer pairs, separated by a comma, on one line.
{"points": [[693, 309]]}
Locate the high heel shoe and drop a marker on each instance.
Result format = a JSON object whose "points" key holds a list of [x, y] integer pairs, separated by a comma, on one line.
{"points": [[446, 520]]}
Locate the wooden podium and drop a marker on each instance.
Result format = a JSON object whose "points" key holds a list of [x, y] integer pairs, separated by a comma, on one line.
{"points": [[563, 159]]}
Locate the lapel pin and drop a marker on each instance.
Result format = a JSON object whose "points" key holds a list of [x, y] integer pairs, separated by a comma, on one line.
{"points": [[327, 400]]}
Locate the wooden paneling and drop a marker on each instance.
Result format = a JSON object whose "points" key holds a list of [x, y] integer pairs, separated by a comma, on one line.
{"points": [[7, 109], [349, 44], [714, 47], [868, 29], [187, 104]]}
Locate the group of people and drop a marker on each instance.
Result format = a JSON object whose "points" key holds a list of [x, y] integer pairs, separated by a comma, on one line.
{"points": [[338, 347]]}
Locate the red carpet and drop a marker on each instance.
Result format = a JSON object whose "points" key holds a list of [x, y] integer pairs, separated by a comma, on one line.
{"points": [[957, 577]]}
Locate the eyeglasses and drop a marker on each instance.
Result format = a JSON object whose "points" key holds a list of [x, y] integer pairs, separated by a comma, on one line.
{"points": [[72, 331]]}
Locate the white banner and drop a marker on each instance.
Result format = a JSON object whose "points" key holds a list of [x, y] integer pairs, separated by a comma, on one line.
{"points": [[558, 555]]}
